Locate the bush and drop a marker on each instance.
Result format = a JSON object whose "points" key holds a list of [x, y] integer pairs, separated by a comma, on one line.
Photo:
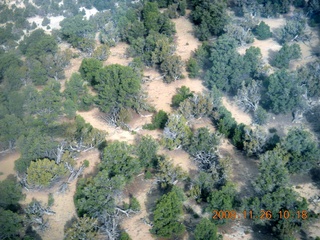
{"points": [[262, 31], [158, 121], [285, 55], [193, 68], [260, 116], [50, 200]]}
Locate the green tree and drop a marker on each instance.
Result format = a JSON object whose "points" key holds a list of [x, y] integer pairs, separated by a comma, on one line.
{"points": [[82, 228], [222, 199], [118, 87], [285, 55], [11, 193], [262, 31], [117, 159], [95, 196], [166, 216], [176, 134], [309, 75], [182, 94], [303, 150], [101, 53], [283, 92], [193, 67], [42, 172], [273, 174], [210, 17], [255, 141], [147, 151], [293, 29], [206, 230], [10, 224], [171, 67], [10, 129], [77, 91], [89, 68]]}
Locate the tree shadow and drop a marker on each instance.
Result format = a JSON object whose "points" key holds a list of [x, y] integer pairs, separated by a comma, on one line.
{"points": [[315, 176], [272, 55]]}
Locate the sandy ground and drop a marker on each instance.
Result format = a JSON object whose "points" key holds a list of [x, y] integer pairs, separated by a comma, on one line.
{"points": [[63, 203], [118, 55], [134, 225], [7, 160], [89, 12], [239, 115], [54, 22]]}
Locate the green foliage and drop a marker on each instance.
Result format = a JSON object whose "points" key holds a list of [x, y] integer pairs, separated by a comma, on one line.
{"points": [[166, 216], [11, 193], [210, 17], [95, 196], [238, 136], [182, 94], [78, 32], [89, 68], [147, 151], [260, 116], [262, 31], [117, 159], [101, 53], [50, 200], [159, 121], [124, 236], [82, 228], [193, 67], [206, 230], [45, 21], [86, 163], [295, 27], [77, 91], [38, 44], [279, 83], [227, 69], [134, 204], [197, 106], [273, 174], [285, 55], [222, 199], [254, 141], [117, 86], [11, 128], [309, 75], [303, 150], [10, 224], [203, 141], [171, 68], [176, 133], [225, 122], [43, 171], [34, 144], [168, 174]]}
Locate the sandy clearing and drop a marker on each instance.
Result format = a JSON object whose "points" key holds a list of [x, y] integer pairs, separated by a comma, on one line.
{"points": [[63, 203], [134, 225], [7, 160], [180, 158], [160, 93], [89, 12], [118, 55], [93, 117], [274, 22], [202, 123], [239, 115], [54, 22], [185, 40]]}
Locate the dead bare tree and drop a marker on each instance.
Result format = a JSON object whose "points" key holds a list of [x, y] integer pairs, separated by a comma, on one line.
{"points": [[35, 214], [248, 97]]}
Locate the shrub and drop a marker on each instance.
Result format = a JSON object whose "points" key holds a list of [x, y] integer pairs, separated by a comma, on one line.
{"points": [[262, 31]]}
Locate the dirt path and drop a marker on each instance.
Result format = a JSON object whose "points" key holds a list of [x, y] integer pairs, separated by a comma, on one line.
{"points": [[134, 225], [118, 55], [7, 160], [239, 115]]}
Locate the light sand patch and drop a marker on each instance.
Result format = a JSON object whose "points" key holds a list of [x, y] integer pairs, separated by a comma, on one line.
{"points": [[89, 12], [239, 115], [54, 22], [185, 41], [266, 46], [202, 123], [63, 203], [274, 22], [180, 158], [93, 117], [160, 93], [7, 160], [118, 55], [134, 225]]}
